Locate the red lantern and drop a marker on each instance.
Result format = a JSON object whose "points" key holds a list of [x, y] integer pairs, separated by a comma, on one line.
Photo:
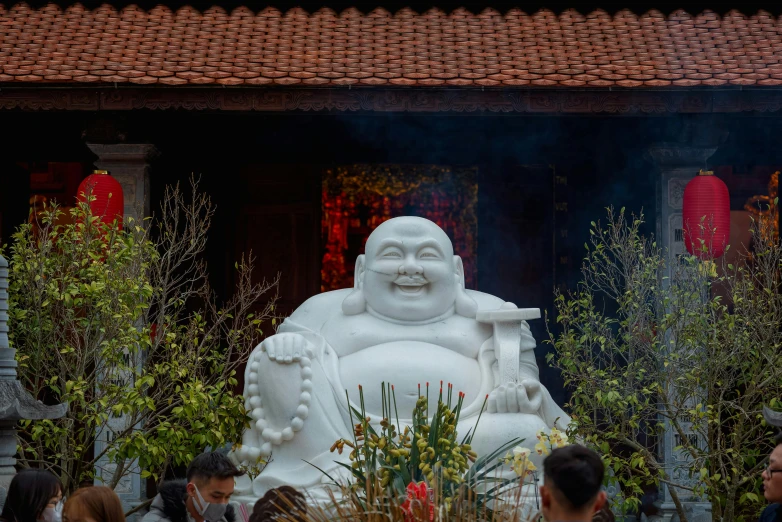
{"points": [[706, 216], [108, 202]]}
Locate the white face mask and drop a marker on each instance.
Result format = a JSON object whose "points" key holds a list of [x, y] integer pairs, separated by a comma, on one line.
{"points": [[210, 512], [52, 514]]}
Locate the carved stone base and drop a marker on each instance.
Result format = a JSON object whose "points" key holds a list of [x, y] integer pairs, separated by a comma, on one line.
{"points": [[7, 460], [695, 511]]}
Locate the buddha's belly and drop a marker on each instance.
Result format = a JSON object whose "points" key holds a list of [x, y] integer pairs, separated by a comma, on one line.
{"points": [[406, 364]]}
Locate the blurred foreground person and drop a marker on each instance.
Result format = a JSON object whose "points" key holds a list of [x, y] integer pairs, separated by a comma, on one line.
{"points": [[772, 484], [34, 495], [278, 501], [572, 481], [93, 504]]}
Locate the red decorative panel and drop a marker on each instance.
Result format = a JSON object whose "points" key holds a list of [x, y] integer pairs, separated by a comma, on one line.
{"points": [[358, 198]]}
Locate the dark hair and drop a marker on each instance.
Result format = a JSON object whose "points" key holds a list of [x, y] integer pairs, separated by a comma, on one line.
{"points": [[98, 503], [278, 501], [778, 439], [28, 494], [576, 472], [212, 465]]}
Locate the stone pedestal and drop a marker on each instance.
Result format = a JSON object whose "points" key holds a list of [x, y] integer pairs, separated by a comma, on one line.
{"points": [[677, 165], [128, 163]]}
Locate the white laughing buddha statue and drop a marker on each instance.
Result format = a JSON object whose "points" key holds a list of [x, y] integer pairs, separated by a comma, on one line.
{"points": [[408, 320]]}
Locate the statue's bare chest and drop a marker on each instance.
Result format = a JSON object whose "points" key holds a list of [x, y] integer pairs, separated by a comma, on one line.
{"points": [[349, 334]]}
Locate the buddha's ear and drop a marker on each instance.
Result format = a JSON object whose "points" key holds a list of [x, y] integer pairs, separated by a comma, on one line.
{"points": [[359, 271], [355, 303], [458, 269], [466, 306]]}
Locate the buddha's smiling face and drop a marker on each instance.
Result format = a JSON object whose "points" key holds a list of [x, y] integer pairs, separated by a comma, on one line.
{"points": [[410, 272]]}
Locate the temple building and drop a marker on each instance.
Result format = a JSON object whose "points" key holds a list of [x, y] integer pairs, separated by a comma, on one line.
{"points": [[510, 128]]}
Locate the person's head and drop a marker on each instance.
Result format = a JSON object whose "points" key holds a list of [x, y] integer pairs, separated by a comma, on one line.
{"points": [[409, 273], [34, 495], [210, 484], [277, 501], [772, 475], [93, 504], [572, 480]]}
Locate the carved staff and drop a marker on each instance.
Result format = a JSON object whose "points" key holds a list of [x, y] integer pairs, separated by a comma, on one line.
{"points": [[506, 321]]}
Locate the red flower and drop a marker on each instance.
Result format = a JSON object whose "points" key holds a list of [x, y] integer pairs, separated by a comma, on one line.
{"points": [[418, 496]]}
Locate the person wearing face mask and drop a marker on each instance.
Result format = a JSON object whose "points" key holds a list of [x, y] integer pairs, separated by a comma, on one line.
{"points": [[203, 497], [93, 504], [34, 495]]}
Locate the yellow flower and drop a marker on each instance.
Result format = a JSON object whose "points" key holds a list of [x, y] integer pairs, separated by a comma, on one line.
{"points": [[523, 467], [520, 461], [520, 453], [541, 448], [557, 439]]}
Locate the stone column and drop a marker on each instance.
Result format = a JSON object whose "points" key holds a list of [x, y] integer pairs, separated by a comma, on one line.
{"points": [[129, 164], [677, 165]]}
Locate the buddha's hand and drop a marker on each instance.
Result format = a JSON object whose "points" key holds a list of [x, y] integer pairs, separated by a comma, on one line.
{"points": [[286, 348], [511, 397]]}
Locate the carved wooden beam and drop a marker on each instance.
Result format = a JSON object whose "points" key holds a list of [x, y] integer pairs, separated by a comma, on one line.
{"points": [[631, 102]]}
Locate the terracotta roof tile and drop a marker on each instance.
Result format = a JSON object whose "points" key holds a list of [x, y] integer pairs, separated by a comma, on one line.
{"points": [[434, 48]]}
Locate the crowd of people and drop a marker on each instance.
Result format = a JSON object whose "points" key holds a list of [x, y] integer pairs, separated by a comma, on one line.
{"points": [[571, 492], [36, 495]]}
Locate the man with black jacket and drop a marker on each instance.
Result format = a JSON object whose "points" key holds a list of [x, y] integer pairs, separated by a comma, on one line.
{"points": [[203, 497]]}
